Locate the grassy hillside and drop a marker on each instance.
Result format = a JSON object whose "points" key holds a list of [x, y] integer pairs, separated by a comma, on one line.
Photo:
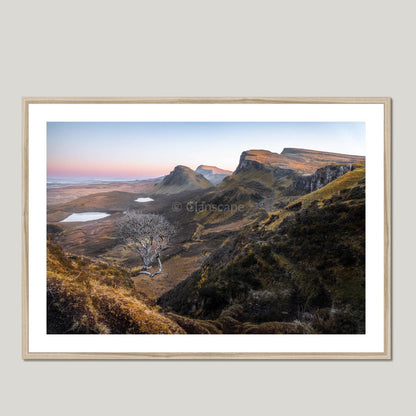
{"points": [[348, 187], [306, 269], [89, 297], [313, 159], [85, 297]]}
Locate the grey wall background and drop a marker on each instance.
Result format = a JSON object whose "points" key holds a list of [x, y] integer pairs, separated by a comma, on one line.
{"points": [[213, 48]]}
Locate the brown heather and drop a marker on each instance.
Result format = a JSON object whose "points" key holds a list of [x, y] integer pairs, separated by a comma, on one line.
{"points": [[93, 298]]}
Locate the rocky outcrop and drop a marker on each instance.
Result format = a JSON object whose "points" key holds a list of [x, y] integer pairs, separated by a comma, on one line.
{"points": [[254, 159], [279, 172], [181, 179], [321, 178], [212, 173], [301, 161]]}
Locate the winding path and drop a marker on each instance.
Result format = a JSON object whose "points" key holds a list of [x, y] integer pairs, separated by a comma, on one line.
{"points": [[262, 205]]}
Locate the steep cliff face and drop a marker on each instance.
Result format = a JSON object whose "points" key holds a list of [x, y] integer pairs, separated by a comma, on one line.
{"points": [[256, 159], [321, 177], [301, 161]]}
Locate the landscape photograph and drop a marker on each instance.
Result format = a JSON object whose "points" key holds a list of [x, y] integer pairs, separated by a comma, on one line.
{"points": [[206, 228]]}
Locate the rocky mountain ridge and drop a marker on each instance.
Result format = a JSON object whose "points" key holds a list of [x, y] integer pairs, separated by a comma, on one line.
{"points": [[302, 161], [181, 179]]}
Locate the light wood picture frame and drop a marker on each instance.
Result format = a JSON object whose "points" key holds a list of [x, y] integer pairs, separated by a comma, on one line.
{"points": [[373, 342]]}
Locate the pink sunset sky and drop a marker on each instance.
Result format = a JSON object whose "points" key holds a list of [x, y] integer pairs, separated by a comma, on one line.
{"points": [[140, 150]]}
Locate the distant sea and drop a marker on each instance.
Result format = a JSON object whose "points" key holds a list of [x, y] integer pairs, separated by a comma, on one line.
{"points": [[60, 182]]}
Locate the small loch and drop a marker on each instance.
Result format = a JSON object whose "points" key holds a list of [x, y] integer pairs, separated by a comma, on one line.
{"points": [[85, 216], [144, 200]]}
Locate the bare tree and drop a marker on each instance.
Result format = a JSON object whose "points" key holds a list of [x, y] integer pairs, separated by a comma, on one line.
{"points": [[148, 234]]}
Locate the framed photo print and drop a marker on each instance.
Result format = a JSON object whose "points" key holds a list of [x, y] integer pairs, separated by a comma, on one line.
{"points": [[206, 228]]}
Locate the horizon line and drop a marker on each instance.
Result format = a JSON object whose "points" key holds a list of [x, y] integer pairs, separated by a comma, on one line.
{"points": [[143, 178]]}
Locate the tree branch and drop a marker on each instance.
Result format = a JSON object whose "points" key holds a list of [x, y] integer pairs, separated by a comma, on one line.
{"points": [[144, 268], [149, 234]]}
